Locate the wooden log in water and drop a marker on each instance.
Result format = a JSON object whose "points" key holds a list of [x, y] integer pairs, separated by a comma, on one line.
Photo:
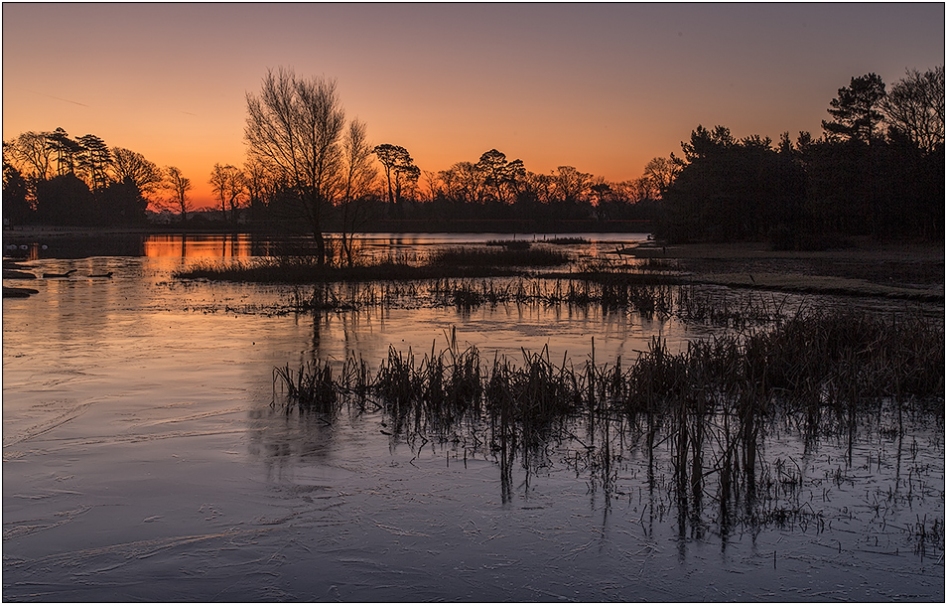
{"points": [[18, 293]]}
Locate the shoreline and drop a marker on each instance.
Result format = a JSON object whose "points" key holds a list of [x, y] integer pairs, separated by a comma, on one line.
{"points": [[896, 270]]}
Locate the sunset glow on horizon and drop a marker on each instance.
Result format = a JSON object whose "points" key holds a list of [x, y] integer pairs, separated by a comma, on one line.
{"points": [[602, 87]]}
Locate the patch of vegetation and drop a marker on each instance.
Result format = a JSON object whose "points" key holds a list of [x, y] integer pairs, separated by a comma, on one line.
{"points": [[510, 244], [708, 407], [565, 241], [477, 257], [306, 270]]}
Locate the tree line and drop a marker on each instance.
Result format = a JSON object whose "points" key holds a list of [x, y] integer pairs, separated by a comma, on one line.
{"points": [[307, 166], [877, 169]]}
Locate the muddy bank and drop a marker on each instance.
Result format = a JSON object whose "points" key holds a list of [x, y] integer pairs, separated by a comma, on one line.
{"points": [[902, 271]]}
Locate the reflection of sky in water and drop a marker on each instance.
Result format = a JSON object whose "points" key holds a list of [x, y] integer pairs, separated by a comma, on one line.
{"points": [[178, 251], [142, 458]]}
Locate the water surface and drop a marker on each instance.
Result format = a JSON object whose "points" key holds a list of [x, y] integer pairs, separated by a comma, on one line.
{"points": [[143, 461]]}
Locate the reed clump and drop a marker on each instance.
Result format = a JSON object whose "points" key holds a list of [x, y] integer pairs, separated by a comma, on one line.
{"points": [[510, 244], [710, 406], [565, 240], [815, 359], [311, 388], [507, 257]]}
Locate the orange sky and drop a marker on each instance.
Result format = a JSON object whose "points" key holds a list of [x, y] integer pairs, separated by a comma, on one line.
{"points": [[602, 87]]}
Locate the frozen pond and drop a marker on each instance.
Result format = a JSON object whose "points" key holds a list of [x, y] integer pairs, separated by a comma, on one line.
{"points": [[142, 460]]}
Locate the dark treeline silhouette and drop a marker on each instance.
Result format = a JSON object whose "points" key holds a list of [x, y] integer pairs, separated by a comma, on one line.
{"points": [[51, 178], [472, 197], [878, 170]]}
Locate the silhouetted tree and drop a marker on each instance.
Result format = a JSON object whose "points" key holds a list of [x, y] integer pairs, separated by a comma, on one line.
{"points": [[399, 169], [122, 204], [501, 178], [570, 184], [16, 205], [127, 164], [856, 109], [179, 186], [293, 128], [357, 182], [915, 107], [660, 173], [65, 151], [34, 154], [229, 184], [462, 182], [94, 160], [727, 189], [261, 188], [64, 200], [540, 187]]}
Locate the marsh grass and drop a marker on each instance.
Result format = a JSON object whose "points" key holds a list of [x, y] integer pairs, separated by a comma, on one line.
{"points": [[507, 257], [455, 262], [305, 270], [510, 244], [693, 304], [708, 408], [310, 388], [565, 241]]}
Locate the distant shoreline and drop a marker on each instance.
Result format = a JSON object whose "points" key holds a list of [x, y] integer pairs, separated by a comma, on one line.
{"points": [[914, 271], [864, 267]]}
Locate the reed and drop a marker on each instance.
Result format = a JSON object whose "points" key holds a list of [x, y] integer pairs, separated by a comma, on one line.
{"points": [[510, 244], [709, 405], [508, 257], [311, 388], [565, 240]]}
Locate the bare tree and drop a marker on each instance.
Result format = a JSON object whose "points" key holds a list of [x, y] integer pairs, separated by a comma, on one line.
{"points": [[358, 177], [570, 183], [660, 173], [260, 186], [229, 184], [541, 186], [179, 185], [35, 155], [463, 182], [293, 128], [127, 164], [915, 106], [433, 185], [504, 178]]}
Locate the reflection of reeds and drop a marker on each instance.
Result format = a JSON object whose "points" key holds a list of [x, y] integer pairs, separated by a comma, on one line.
{"points": [[928, 534], [708, 406]]}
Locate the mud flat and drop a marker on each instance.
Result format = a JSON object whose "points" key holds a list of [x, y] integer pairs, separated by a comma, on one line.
{"points": [[901, 271]]}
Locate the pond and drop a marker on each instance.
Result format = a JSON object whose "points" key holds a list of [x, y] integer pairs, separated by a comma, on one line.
{"points": [[147, 456]]}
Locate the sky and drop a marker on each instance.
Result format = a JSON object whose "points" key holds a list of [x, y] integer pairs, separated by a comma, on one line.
{"points": [[601, 87]]}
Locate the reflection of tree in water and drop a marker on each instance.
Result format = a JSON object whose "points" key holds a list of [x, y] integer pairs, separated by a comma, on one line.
{"points": [[282, 441], [690, 431]]}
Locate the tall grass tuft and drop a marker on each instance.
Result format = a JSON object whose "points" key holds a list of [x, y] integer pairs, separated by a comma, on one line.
{"points": [[311, 388], [507, 257], [710, 405]]}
